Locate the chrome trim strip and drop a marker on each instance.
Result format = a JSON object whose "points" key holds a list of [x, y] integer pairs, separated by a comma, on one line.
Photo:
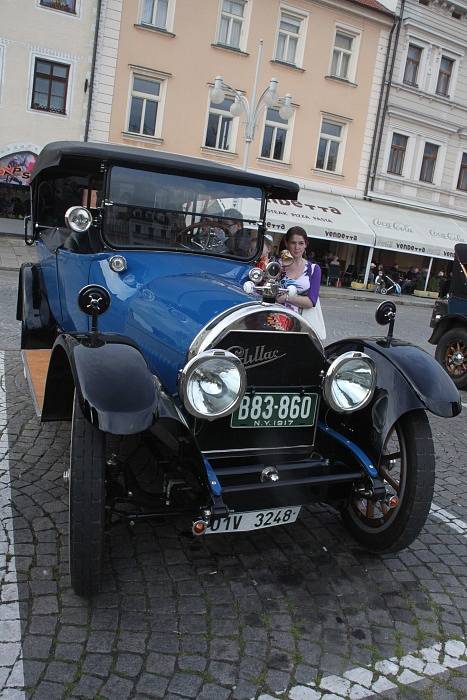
{"points": [[197, 340], [256, 450], [231, 319]]}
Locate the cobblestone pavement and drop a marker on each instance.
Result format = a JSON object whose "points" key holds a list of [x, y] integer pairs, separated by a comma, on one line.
{"points": [[296, 612]]}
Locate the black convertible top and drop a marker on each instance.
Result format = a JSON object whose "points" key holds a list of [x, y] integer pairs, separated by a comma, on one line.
{"points": [[59, 152]]}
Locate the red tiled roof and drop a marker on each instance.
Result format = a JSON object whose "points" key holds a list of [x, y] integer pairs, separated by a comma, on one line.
{"points": [[374, 5]]}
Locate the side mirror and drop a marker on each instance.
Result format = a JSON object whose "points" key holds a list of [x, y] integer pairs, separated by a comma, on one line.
{"points": [[385, 313], [94, 300], [78, 219]]}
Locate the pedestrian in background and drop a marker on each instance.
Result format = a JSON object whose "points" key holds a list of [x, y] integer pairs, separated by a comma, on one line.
{"points": [[266, 254]]}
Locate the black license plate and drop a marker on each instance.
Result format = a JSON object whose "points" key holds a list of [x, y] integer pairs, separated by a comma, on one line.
{"points": [[276, 409]]}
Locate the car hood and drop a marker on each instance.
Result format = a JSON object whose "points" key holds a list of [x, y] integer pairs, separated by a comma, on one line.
{"points": [[163, 300]]}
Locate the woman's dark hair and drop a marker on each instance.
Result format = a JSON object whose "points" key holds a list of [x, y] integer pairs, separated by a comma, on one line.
{"points": [[296, 231]]}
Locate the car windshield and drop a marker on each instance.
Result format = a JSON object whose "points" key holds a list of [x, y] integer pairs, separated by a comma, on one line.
{"points": [[159, 211]]}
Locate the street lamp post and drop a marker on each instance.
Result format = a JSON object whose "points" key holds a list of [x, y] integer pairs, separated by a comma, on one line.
{"points": [[269, 98]]}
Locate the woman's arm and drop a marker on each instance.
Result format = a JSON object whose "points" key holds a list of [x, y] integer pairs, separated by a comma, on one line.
{"points": [[315, 281], [303, 302]]}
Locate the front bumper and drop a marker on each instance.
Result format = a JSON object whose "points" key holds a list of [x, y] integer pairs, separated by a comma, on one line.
{"points": [[270, 480]]}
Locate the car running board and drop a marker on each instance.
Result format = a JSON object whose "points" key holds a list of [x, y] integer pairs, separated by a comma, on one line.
{"points": [[36, 365]]}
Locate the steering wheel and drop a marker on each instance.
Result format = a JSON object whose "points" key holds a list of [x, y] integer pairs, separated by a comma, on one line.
{"points": [[201, 235]]}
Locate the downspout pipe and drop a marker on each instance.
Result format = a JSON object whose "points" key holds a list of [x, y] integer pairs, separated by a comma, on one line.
{"points": [[383, 101], [93, 71]]}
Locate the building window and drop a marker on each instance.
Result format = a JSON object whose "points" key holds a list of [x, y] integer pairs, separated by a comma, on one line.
{"points": [[330, 141], [430, 154], [155, 13], [397, 154], [50, 86], [1, 70], [342, 55], [231, 23], [275, 135], [144, 105], [412, 64], [63, 5], [444, 76], [462, 181], [219, 128], [288, 38]]}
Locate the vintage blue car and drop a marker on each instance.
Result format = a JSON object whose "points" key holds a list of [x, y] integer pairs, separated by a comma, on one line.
{"points": [[449, 321], [191, 392]]}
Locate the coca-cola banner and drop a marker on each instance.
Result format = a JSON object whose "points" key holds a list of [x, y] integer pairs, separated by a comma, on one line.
{"points": [[408, 231]]}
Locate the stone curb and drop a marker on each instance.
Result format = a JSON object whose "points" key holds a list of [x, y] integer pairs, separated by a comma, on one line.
{"points": [[5, 268], [378, 298]]}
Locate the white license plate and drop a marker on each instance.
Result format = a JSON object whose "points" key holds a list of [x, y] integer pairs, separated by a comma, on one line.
{"points": [[253, 520], [276, 409]]}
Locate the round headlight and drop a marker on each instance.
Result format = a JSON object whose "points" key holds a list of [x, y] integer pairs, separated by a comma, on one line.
{"points": [[79, 219], [212, 384], [349, 383]]}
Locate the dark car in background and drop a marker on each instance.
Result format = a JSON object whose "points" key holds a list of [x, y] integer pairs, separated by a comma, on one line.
{"points": [[449, 322]]}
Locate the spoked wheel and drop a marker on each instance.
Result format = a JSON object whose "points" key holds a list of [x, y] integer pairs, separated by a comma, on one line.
{"points": [[451, 352], [86, 504], [408, 470]]}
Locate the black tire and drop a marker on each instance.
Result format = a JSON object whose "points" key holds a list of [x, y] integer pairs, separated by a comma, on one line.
{"points": [[86, 504], [380, 529], [452, 343]]}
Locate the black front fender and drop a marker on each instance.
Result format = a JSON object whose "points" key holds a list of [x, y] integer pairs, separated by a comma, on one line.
{"points": [[32, 309], [115, 387], [119, 395], [431, 387], [408, 379], [445, 324]]}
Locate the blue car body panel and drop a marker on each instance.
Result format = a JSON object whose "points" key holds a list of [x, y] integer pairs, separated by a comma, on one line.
{"points": [[48, 266], [457, 306], [161, 310]]}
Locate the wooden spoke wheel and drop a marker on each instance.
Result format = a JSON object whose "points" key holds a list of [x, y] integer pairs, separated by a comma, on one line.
{"points": [[451, 352], [407, 467]]}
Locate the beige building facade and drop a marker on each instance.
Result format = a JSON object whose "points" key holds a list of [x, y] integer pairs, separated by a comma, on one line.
{"points": [[156, 88], [153, 89], [46, 50]]}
